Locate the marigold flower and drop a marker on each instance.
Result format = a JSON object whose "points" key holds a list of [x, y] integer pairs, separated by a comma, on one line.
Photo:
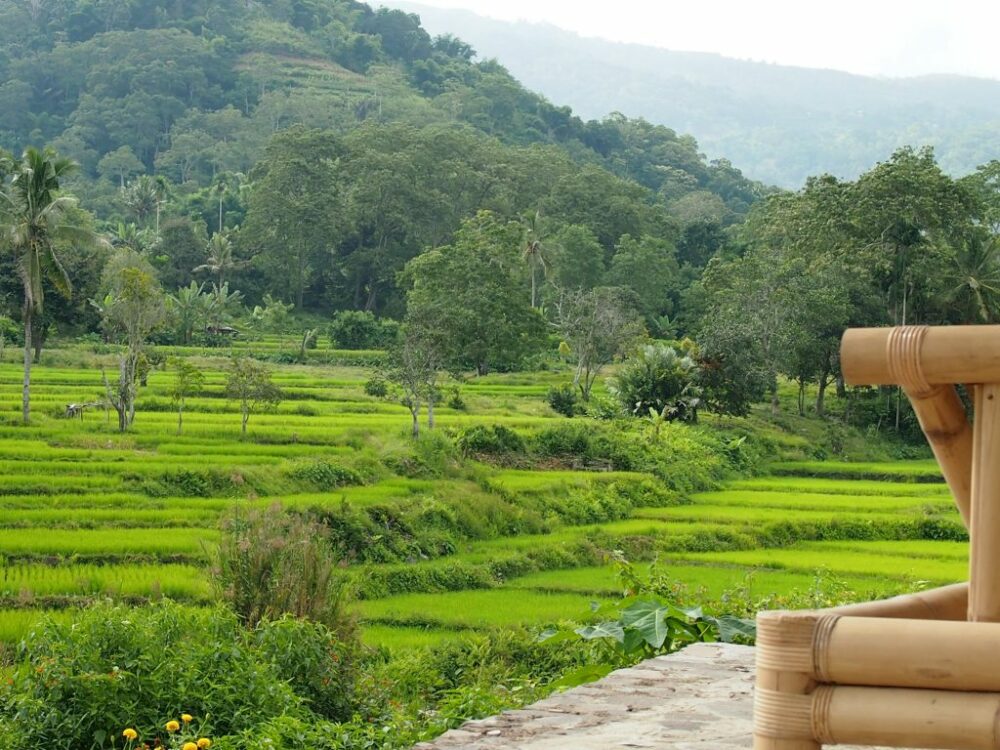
{"points": [[204, 743], [186, 718], [173, 726], [189, 746], [130, 734]]}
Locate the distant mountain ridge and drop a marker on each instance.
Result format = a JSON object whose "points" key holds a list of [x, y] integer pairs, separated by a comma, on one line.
{"points": [[779, 123]]}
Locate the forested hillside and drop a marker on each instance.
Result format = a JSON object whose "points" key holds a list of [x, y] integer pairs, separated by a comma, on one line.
{"points": [[779, 123], [172, 109]]}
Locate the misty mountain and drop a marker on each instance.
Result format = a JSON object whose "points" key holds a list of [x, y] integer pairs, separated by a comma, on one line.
{"points": [[779, 123]]}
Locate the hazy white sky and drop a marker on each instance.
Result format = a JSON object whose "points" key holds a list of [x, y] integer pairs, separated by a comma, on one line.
{"points": [[875, 37]]}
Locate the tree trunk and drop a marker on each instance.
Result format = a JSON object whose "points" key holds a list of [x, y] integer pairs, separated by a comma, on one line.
{"points": [[775, 403], [534, 287], [824, 381], [26, 395], [415, 413], [430, 411], [37, 338], [300, 291], [246, 417], [802, 397], [180, 416], [841, 386]]}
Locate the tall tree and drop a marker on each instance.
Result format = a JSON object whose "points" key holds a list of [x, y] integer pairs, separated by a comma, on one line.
{"points": [[535, 249], [293, 221], [220, 259], [133, 306], [34, 218], [598, 325], [470, 293]]}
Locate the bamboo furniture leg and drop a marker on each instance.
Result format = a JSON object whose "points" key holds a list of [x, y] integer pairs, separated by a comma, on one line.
{"points": [[916, 671], [782, 702], [984, 546]]}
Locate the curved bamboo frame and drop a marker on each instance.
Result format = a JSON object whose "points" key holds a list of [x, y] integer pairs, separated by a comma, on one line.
{"points": [[915, 671]]}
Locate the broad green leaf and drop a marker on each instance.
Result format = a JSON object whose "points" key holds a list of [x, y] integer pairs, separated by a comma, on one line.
{"points": [[604, 630], [732, 627], [582, 676], [649, 619]]}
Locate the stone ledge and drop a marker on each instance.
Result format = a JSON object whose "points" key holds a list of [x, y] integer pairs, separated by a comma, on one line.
{"points": [[696, 699]]}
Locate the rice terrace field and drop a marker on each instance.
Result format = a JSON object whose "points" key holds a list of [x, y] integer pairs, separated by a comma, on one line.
{"points": [[462, 544]]}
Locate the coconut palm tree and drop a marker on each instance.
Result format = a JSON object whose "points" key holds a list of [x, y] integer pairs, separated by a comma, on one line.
{"points": [[975, 279], [220, 258], [534, 249], [34, 217]]}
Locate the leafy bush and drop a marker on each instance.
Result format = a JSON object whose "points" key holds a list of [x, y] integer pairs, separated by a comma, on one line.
{"points": [[659, 380], [79, 684], [563, 399], [11, 332], [377, 387], [455, 400], [356, 329], [492, 440], [321, 668], [270, 563], [564, 440]]}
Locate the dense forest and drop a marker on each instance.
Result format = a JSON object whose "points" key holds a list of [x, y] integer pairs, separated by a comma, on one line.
{"points": [[179, 116], [781, 124], [309, 164]]}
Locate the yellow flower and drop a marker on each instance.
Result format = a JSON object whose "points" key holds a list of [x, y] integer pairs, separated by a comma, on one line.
{"points": [[204, 743], [189, 746], [186, 718], [130, 734], [173, 726]]}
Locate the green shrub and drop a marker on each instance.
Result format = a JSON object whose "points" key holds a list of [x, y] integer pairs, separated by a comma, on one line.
{"points": [[490, 440], [320, 668], [563, 399], [355, 329], [455, 400], [78, 684], [658, 380], [377, 387]]}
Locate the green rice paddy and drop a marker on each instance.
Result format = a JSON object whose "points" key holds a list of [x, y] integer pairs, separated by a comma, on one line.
{"points": [[87, 513]]}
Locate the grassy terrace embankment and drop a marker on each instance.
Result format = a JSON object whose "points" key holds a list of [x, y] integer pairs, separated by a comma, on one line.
{"points": [[87, 513]]}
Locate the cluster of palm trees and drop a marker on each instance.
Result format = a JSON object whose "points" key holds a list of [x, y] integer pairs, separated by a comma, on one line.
{"points": [[36, 219]]}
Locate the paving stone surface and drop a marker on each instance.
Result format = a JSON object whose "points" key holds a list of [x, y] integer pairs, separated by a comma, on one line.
{"points": [[700, 698]]}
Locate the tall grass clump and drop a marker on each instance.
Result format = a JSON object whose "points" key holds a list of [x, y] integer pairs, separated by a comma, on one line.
{"points": [[271, 563]]}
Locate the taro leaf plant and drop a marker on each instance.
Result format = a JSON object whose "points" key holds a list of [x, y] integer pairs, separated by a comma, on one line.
{"points": [[644, 628]]}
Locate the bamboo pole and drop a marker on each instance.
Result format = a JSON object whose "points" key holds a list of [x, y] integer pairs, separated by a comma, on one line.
{"points": [[946, 355], [782, 704], [898, 717], [942, 418], [945, 603], [960, 656], [984, 548]]}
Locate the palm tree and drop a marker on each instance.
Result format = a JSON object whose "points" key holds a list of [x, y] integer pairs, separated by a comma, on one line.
{"points": [[191, 308], [142, 198], [975, 279], [131, 237], [34, 217], [536, 243], [220, 258]]}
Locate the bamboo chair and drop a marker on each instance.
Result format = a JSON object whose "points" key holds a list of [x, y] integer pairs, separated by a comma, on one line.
{"points": [[919, 671]]}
